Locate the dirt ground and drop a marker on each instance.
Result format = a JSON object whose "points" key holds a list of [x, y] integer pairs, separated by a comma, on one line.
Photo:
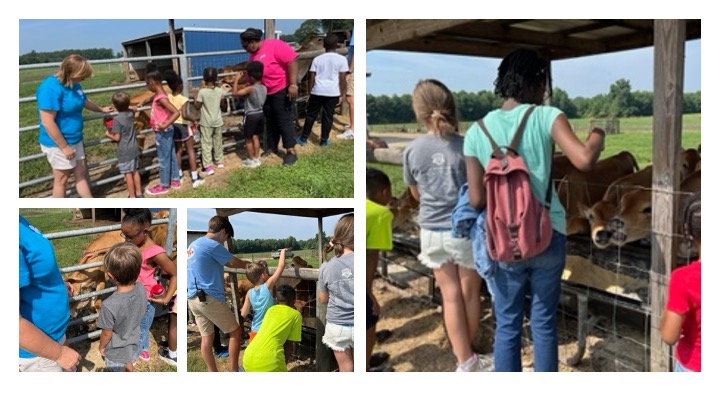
{"points": [[418, 341], [232, 160]]}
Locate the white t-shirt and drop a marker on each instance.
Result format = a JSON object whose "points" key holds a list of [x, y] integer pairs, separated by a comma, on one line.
{"points": [[327, 68]]}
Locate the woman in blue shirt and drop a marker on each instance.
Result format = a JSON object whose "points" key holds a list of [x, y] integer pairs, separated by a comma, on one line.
{"points": [[60, 104]]}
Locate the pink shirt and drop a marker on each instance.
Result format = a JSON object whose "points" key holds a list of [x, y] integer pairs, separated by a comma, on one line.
{"points": [[684, 299], [158, 113], [275, 55], [147, 273]]}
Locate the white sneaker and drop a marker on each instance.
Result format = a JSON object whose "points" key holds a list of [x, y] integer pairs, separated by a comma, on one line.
{"points": [[476, 363], [248, 163], [256, 162], [348, 134], [197, 182]]}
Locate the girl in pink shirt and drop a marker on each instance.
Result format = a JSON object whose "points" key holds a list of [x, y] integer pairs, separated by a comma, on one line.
{"points": [[135, 228], [162, 116]]}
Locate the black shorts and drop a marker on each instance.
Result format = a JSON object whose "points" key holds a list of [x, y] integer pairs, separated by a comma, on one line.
{"points": [[254, 125], [180, 133]]}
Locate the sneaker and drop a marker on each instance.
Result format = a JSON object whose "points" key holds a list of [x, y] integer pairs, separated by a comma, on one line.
{"points": [[325, 143], [485, 362], [175, 184], [300, 141], [220, 165], [209, 171], [257, 162], [248, 163], [289, 159], [476, 363], [268, 152], [164, 355], [144, 355], [348, 134], [197, 182], [158, 189], [222, 353]]}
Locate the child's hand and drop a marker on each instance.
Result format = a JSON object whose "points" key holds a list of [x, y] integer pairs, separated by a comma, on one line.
{"points": [[102, 352]]}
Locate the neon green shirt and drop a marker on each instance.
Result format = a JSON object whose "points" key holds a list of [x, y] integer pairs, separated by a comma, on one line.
{"points": [[378, 224], [265, 352]]}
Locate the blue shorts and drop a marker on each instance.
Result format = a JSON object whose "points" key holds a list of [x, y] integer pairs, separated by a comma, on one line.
{"points": [[129, 166], [114, 365]]}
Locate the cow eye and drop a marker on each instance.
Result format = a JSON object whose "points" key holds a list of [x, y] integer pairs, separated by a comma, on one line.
{"points": [[647, 210]]}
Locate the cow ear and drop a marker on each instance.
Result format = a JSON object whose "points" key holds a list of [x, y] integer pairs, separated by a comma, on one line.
{"points": [[584, 210]]}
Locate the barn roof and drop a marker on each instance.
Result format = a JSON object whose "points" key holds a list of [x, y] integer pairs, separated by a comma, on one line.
{"points": [[555, 39], [295, 212]]}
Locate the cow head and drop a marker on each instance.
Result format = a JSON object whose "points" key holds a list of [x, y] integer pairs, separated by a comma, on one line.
{"points": [[298, 263], [404, 209], [598, 217]]}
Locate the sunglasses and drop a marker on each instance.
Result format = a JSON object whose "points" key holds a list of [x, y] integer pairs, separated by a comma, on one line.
{"points": [[130, 237]]}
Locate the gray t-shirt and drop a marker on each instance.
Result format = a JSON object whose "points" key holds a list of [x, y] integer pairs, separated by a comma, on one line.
{"points": [[254, 102], [124, 124], [437, 167], [336, 278], [121, 313]]}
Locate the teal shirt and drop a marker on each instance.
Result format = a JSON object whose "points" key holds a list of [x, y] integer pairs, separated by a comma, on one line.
{"points": [[535, 148]]}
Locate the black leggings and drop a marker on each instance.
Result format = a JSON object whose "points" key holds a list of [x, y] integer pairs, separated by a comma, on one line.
{"points": [[315, 103], [278, 111]]}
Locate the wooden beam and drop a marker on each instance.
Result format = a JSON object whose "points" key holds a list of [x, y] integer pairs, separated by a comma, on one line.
{"points": [[387, 32], [322, 352], [669, 58]]}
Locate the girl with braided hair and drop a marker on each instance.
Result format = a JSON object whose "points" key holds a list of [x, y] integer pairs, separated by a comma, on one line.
{"points": [[524, 80], [336, 289], [680, 324]]}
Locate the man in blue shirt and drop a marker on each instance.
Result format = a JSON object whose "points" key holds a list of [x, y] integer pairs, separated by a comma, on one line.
{"points": [[207, 258]]}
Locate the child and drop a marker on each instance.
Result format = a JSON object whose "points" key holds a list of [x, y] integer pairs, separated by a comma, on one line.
{"points": [[181, 135], [254, 123], [378, 236], [121, 313], [260, 296], [135, 227], [327, 84], [211, 122], [163, 114], [335, 288], [272, 347], [434, 169], [123, 132], [681, 319]]}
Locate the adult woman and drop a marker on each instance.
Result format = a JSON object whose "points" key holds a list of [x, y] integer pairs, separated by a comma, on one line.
{"points": [[44, 306], [280, 76], [60, 104], [523, 79]]}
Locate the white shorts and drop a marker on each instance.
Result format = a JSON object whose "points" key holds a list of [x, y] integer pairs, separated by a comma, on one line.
{"points": [[338, 337], [439, 247], [57, 159]]}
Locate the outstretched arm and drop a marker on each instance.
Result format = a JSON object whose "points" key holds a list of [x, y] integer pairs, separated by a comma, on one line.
{"points": [[236, 263], [168, 267], [278, 272], [582, 155], [35, 341]]}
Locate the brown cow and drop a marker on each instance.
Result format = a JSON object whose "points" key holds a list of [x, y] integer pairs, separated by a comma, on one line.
{"points": [[634, 219], [404, 209], [583, 189], [94, 279]]}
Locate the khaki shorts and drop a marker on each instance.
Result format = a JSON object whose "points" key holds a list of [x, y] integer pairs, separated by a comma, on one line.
{"points": [[350, 85], [212, 312], [57, 159]]}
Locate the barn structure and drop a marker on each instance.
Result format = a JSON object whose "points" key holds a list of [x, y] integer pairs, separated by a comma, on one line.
{"points": [[323, 355], [563, 39], [188, 40]]}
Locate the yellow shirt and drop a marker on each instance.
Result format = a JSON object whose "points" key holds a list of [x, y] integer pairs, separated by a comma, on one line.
{"points": [[378, 223], [178, 101], [265, 352]]}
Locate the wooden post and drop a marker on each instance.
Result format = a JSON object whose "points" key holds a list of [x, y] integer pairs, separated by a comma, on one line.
{"points": [[669, 56], [269, 29], [173, 45], [322, 352]]}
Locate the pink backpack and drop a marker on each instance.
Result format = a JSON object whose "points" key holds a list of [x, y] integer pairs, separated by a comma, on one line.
{"points": [[518, 226]]}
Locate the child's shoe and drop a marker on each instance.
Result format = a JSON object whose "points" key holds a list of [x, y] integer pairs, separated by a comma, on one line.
{"points": [[256, 162], [157, 190], [175, 184], [164, 355], [248, 163], [209, 171], [144, 355], [348, 134], [220, 165], [197, 182]]}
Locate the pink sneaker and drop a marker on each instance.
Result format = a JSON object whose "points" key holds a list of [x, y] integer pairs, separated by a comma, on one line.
{"points": [[220, 165], [158, 189], [209, 170], [175, 184], [144, 355]]}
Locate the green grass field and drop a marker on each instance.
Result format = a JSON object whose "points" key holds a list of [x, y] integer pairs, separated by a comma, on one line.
{"points": [[635, 136], [309, 178]]}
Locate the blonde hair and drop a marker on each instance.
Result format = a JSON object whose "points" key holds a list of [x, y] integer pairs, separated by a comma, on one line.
{"points": [[343, 235], [73, 69], [434, 107]]}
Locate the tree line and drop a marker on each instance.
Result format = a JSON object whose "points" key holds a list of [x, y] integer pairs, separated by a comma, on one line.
{"points": [[271, 245], [57, 56], [619, 102]]}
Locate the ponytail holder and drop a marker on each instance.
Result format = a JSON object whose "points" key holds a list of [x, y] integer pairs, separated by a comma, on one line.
{"points": [[436, 114]]}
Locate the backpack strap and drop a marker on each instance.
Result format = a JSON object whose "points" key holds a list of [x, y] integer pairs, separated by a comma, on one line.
{"points": [[495, 147], [515, 143]]}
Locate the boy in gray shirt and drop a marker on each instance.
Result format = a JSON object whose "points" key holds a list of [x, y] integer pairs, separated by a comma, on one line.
{"points": [[121, 313], [123, 132]]}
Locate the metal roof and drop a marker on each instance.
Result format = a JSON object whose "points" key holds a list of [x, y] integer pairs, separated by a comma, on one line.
{"points": [[555, 39]]}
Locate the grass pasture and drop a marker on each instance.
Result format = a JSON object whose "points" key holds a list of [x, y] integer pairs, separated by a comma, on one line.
{"points": [[635, 136]]}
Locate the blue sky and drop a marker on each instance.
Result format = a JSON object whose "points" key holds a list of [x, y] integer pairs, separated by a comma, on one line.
{"points": [[53, 35], [398, 72], [251, 225]]}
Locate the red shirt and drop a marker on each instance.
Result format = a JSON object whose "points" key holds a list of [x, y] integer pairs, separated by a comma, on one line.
{"points": [[684, 299], [275, 55]]}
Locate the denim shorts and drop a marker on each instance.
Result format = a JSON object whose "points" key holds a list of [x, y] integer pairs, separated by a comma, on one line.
{"points": [[129, 166], [338, 337], [114, 365], [438, 247]]}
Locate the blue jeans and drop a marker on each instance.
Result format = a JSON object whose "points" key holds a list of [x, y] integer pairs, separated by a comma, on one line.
{"points": [[540, 278], [166, 156], [144, 343], [679, 368]]}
